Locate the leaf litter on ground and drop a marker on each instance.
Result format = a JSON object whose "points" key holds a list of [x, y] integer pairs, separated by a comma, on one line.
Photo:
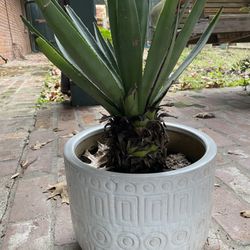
{"points": [[14, 176], [239, 153], [205, 115], [75, 132], [39, 145], [245, 213], [58, 189], [25, 164], [57, 130]]}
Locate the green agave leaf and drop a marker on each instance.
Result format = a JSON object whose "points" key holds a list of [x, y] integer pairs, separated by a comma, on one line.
{"points": [[179, 46], [56, 58], [105, 48], [143, 13], [59, 7], [96, 46], [67, 56], [196, 50], [112, 7], [157, 86], [127, 43], [81, 51], [83, 30], [142, 153], [183, 37], [111, 48], [158, 50]]}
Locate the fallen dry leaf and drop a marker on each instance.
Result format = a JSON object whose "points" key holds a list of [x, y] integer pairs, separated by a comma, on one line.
{"points": [[59, 189], [186, 86], [57, 129], [205, 115], [238, 152], [39, 145], [211, 85], [70, 134], [14, 176], [25, 164], [245, 213]]}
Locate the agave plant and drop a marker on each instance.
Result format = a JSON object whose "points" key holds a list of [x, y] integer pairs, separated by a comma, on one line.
{"points": [[114, 76]]}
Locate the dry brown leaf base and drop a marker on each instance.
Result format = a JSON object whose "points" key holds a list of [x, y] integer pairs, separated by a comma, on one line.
{"points": [[59, 189]]}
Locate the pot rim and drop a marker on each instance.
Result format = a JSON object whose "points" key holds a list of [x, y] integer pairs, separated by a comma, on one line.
{"points": [[207, 141]]}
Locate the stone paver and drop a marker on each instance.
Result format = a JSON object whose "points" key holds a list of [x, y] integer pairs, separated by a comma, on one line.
{"points": [[29, 221], [226, 213]]}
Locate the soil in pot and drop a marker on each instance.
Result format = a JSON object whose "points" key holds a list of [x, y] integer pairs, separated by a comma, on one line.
{"points": [[96, 156]]}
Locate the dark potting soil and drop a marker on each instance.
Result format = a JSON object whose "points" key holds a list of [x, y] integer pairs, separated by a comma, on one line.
{"points": [[95, 157]]}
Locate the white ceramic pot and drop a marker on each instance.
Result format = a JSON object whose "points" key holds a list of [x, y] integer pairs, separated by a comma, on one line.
{"points": [[161, 211]]}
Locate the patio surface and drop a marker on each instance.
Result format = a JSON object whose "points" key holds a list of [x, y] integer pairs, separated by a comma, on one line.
{"points": [[29, 221]]}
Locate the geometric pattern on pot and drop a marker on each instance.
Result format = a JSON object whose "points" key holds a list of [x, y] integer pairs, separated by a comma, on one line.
{"points": [[162, 214], [133, 204]]}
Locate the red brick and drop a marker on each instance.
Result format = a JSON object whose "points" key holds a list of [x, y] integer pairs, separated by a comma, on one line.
{"points": [[226, 212], [44, 119], [67, 127], [11, 149], [66, 114], [16, 38], [5, 185], [64, 233], [30, 202], [8, 167], [28, 235], [89, 116], [235, 179], [243, 158], [222, 126], [15, 125], [214, 241], [61, 143], [245, 163], [89, 119], [220, 140], [41, 135], [42, 159], [221, 159]]}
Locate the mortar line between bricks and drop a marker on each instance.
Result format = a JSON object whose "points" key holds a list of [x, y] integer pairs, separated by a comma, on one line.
{"points": [[224, 236], [242, 169], [54, 203], [15, 182], [16, 92], [228, 188]]}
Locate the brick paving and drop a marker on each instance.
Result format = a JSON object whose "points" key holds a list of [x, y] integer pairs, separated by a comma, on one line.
{"points": [[28, 221]]}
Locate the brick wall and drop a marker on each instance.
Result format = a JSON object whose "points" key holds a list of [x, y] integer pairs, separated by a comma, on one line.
{"points": [[14, 37]]}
